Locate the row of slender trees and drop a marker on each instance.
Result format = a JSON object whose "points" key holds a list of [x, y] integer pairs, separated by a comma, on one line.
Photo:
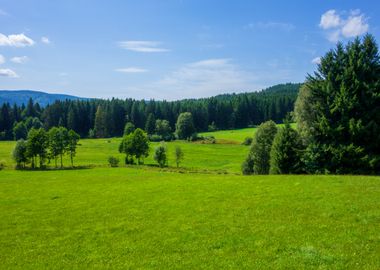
{"points": [[338, 119], [41, 146], [107, 118]]}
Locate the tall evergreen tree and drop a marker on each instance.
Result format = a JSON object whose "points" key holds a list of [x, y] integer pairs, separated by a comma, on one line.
{"points": [[343, 101]]}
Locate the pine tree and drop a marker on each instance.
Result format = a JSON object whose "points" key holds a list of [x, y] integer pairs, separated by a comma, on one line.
{"points": [[150, 124], [286, 151]]}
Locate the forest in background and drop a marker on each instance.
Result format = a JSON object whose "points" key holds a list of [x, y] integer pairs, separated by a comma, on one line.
{"points": [[107, 118]]}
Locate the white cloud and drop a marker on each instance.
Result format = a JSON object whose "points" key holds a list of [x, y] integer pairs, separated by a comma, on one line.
{"points": [[334, 36], [6, 72], [330, 19], [142, 46], [20, 59], [17, 40], [316, 60], [45, 40], [131, 70], [356, 25], [2, 59], [272, 25], [205, 78], [338, 27]]}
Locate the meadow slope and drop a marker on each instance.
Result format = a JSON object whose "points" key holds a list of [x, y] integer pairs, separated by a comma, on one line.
{"points": [[148, 219]]}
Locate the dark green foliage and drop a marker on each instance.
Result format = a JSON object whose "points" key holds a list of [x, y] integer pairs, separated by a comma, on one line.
{"points": [[100, 126], [150, 125], [163, 130], [108, 117], [338, 110], [185, 126], [135, 145], [247, 166], [179, 155], [160, 155], [71, 146], [286, 152], [19, 153], [33, 122], [20, 131], [113, 161], [247, 141], [37, 145], [129, 128], [259, 155], [58, 141]]}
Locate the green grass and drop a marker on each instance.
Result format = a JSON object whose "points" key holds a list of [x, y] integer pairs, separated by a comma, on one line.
{"points": [[125, 218], [233, 136], [95, 152]]}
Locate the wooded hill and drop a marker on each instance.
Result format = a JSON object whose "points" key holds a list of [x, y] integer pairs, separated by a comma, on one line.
{"points": [[226, 111]]}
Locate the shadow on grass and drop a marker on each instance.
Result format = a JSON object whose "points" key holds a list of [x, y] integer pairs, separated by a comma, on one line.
{"points": [[177, 169], [56, 169]]}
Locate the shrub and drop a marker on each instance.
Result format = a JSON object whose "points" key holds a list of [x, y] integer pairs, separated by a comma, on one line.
{"points": [[160, 155], [155, 138], [113, 161], [247, 141], [247, 166], [179, 155], [2, 164]]}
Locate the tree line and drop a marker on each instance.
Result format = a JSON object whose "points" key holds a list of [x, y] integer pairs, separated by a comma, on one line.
{"points": [[338, 119], [43, 146], [107, 118]]}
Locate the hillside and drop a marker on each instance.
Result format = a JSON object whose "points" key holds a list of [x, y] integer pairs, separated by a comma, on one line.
{"points": [[22, 96]]}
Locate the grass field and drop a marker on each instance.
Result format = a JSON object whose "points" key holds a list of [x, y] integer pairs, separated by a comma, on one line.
{"points": [[204, 216], [205, 157], [146, 219], [233, 136]]}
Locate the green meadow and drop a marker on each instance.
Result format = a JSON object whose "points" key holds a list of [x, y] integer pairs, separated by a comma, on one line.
{"points": [[205, 215], [139, 218], [226, 155]]}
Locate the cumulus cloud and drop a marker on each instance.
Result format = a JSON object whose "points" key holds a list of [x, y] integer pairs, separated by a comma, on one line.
{"points": [[20, 59], [131, 70], [45, 40], [316, 60], [15, 40], [142, 46], [6, 72], [330, 19], [338, 27], [355, 26], [2, 59]]}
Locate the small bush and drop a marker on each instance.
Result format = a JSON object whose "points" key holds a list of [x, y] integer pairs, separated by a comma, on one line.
{"points": [[2, 164], [155, 138], [113, 161], [247, 141], [160, 155], [195, 137]]}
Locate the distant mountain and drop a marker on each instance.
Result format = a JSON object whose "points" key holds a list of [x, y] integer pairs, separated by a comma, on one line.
{"points": [[22, 96]]}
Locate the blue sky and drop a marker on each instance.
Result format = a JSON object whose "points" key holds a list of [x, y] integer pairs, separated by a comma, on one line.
{"points": [[170, 49]]}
